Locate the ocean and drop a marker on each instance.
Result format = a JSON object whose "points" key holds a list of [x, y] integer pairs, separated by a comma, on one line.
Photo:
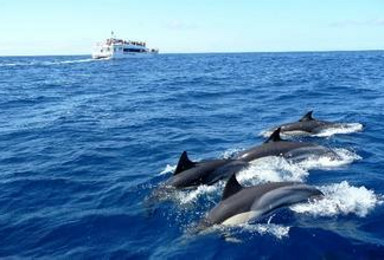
{"points": [[84, 144]]}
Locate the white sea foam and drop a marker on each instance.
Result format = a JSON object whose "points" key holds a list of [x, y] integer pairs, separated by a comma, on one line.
{"points": [[267, 133], [230, 153], [341, 199], [66, 62], [342, 128], [344, 157], [271, 169], [276, 230], [46, 63], [75, 61], [8, 64], [190, 196], [168, 169], [279, 231]]}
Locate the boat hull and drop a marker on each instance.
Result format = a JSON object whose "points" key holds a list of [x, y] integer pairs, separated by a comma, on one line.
{"points": [[123, 55]]}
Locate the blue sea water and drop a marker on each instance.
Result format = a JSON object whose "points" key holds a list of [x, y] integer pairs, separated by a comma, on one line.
{"points": [[85, 143]]}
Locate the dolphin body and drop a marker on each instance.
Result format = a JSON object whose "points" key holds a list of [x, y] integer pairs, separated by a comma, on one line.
{"points": [[191, 174], [243, 204], [275, 146], [307, 125]]}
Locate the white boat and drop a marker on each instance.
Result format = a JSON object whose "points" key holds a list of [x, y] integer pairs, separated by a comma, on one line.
{"points": [[114, 48]]}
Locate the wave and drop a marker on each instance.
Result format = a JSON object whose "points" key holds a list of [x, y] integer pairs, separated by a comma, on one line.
{"points": [[190, 196], [342, 128], [9, 64], [277, 230], [271, 169], [66, 62], [341, 199], [267, 169], [47, 63], [230, 153], [168, 169], [274, 168], [344, 157]]}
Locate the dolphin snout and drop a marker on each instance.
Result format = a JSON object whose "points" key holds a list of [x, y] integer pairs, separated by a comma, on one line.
{"points": [[318, 195]]}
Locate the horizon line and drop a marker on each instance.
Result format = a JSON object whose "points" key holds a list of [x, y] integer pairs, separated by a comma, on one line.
{"points": [[192, 53]]}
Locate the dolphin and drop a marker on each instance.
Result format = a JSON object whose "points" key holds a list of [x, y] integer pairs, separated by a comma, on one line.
{"points": [[242, 204], [275, 146], [307, 125], [191, 174]]}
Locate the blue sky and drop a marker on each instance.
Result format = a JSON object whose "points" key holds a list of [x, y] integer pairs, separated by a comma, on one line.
{"points": [[37, 27]]}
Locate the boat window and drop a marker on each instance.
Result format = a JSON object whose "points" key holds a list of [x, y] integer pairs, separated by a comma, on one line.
{"points": [[131, 50]]}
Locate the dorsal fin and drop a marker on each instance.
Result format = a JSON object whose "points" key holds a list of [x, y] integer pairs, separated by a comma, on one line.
{"points": [[307, 117], [232, 187], [275, 136], [184, 163]]}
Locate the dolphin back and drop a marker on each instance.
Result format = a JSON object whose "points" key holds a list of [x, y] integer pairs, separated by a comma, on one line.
{"points": [[303, 153], [307, 124], [283, 197], [207, 172], [227, 170]]}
